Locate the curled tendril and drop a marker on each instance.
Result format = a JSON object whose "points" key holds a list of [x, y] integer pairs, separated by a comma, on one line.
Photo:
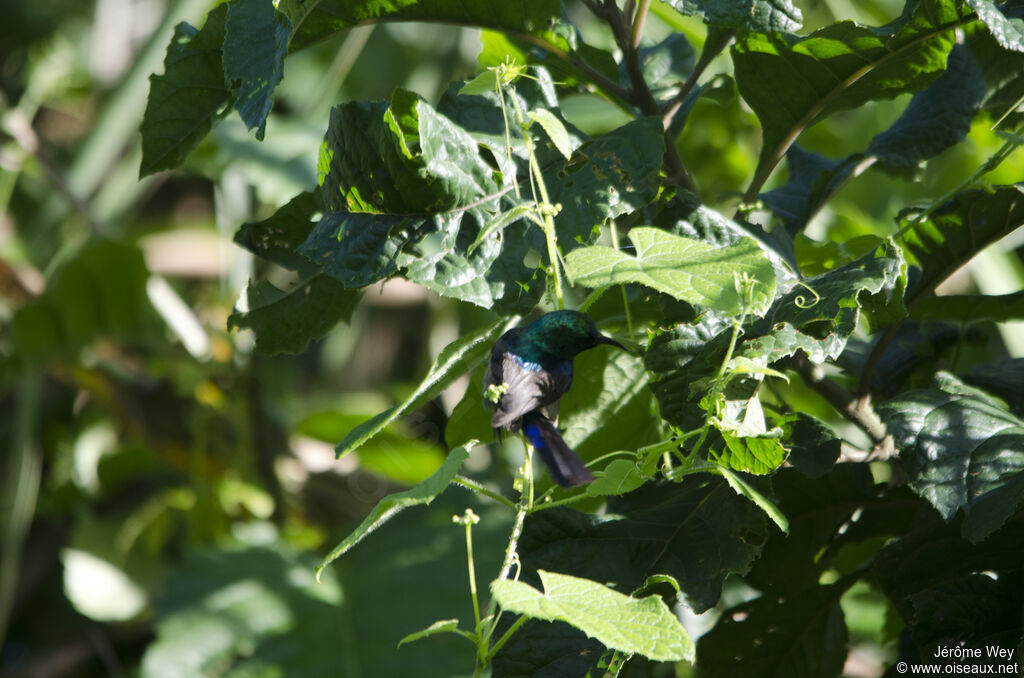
{"points": [[801, 300]]}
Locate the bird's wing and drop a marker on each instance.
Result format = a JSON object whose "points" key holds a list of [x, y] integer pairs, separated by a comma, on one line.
{"points": [[529, 388]]}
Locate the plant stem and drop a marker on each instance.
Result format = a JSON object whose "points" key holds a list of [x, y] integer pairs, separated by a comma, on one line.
{"points": [[625, 300], [504, 638], [473, 485]]}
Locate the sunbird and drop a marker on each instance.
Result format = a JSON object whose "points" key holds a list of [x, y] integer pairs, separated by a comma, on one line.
{"points": [[529, 372]]}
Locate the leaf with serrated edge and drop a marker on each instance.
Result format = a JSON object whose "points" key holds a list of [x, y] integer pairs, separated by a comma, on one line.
{"points": [[186, 99], [555, 130], [744, 488], [423, 493], [683, 268], [962, 452], [642, 626]]}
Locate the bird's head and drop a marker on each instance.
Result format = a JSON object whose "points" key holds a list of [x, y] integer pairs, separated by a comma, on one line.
{"points": [[563, 334]]}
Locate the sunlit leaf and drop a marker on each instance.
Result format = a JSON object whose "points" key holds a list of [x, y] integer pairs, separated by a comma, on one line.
{"points": [[640, 626]]}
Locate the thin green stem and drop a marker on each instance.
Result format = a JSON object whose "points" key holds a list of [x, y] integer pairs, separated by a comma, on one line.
{"points": [[717, 386], [666, 445], [505, 637], [472, 576], [638, 23], [538, 186], [473, 485], [625, 300]]}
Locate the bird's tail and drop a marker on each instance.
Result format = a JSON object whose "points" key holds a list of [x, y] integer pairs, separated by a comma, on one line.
{"points": [[564, 465]]}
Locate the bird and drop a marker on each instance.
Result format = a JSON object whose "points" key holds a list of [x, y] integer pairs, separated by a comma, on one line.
{"points": [[529, 371]]}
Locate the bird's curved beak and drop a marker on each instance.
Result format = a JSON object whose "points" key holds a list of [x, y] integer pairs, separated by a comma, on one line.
{"points": [[612, 342]]}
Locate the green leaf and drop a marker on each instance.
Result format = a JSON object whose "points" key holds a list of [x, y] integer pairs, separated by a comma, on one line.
{"points": [[683, 214], [799, 635], [936, 118], [400, 158], [811, 182], [455, 360], [744, 488], [1008, 32], [683, 268], [555, 130], [611, 175], [813, 445], [751, 454], [765, 16], [285, 321], [255, 44], [971, 308], [485, 82], [99, 291], [188, 98], [407, 188], [355, 248], [953, 234], [819, 315], [698, 532], [277, 237], [962, 452], [842, 504], [440, 626], [619, 477], [609, 406], [318, 20], [792, 82], [932, 567], [639, 626], [665, 64], [386, 508]]}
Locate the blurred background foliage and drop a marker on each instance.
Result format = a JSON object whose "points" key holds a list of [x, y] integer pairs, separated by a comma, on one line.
{"points": [[165, 491]]}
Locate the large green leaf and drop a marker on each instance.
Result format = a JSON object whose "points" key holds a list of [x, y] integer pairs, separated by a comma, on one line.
{"points": [[803, 635], [971, 308], [792, 82], [821, 512], [766, 16], [1008, 31], [962, 452], [355, 248], [255, 44], [933, 576], [608, 176], [409, 189], [698, 532], [285, 321], [423, 493], [316, 20], [819, 315], [812, 179], [454, 361], [185, 101], [634, 625], [683, 268], [277, 237], [936, 118], [609, 406], [955, 232]]}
